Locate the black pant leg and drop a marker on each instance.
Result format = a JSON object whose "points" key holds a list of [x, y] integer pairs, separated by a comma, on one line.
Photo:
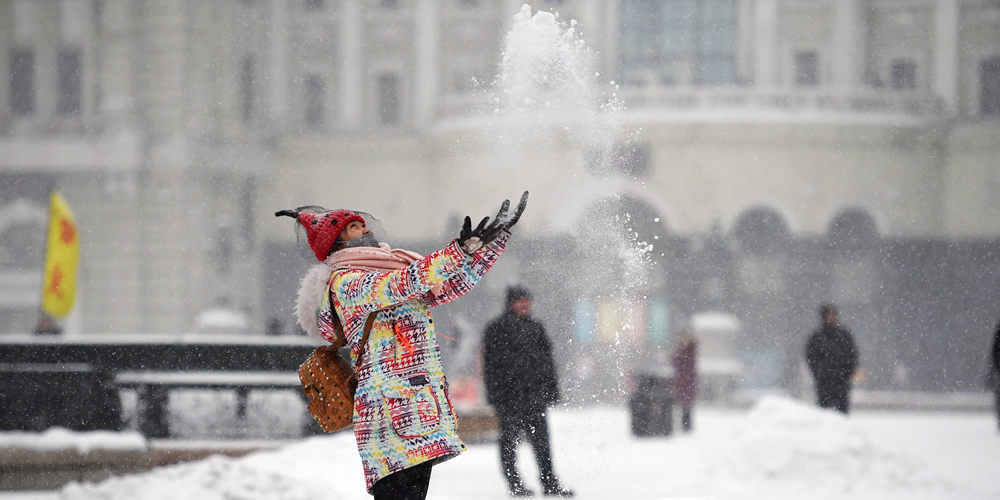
{"points": [[824, 394], [686, 418], [407, 484], [510, 433], [844, 399], [537, 428], [833, 394]]}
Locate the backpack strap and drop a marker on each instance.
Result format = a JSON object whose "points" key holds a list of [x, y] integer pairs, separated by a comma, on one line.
{"points": [[338, 327], [364, 337]]}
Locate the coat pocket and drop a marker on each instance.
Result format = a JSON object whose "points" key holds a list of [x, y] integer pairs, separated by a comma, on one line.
{"points": [[413, 409]]}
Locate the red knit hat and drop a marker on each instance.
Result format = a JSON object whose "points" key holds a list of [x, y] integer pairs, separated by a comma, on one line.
{"points": [[322, 227]]}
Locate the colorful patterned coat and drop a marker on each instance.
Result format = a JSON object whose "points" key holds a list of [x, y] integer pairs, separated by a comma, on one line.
{"points": [[402, 413]]}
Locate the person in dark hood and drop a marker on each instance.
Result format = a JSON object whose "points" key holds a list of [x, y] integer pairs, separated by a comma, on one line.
{"points": [[833, 358], [521, 383]]}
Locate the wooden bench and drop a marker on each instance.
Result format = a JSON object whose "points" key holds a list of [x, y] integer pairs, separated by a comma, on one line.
{"points": [[153, 388], [153, 364]]}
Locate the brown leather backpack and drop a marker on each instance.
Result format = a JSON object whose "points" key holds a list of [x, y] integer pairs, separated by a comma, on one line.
{"points": [[329, 382]]}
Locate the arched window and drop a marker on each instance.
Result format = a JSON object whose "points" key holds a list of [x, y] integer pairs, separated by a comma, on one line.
{"points": [[763, 236], [761, 230], [852, 226], [22, 237], [854, 272], [616, 234], [22, 255], [624, 216]]}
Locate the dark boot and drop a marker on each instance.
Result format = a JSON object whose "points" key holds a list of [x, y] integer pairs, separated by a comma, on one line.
{"points": [[518, 490], [554, 490]]}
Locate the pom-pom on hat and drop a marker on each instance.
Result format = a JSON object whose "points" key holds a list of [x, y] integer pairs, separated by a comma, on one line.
{"points": [[322, 227]]}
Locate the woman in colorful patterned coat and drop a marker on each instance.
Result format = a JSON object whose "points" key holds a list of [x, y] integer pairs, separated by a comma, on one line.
{"points": [[403, 418]]}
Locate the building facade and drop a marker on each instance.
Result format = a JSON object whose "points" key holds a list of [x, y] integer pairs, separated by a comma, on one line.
{"points": [[763, 129]]}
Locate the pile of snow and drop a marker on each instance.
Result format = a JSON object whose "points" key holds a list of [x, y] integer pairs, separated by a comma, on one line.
{"points": [[326, 467], [780, 450], [58, 438], [792, 446]]}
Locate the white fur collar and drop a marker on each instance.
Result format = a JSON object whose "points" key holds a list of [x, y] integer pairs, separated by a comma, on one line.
{"points": [[313, 286]]}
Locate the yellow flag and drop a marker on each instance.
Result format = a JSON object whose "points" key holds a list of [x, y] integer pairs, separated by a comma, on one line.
{"points": [[61, 256]]}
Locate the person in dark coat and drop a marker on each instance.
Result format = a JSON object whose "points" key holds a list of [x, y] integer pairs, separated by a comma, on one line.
{"points": [[993, 378], [833, 358], [684, 361], [521, 383]]}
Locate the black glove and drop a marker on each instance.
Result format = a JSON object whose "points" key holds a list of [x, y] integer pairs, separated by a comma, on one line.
{"points": [[471, 240]]}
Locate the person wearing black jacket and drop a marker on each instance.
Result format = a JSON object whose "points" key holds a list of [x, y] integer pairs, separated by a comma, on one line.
{"points": [[521, 383], [832, 357]]}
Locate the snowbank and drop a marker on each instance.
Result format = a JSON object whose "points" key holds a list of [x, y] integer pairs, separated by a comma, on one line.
{"points": [[324, 467], [58, 438], [780, 450], [797, 447]]}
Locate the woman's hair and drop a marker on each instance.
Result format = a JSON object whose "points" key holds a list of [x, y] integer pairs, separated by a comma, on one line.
{"points": [[338, 244]]}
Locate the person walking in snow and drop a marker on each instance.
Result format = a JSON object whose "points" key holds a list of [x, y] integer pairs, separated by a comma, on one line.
{"points": [[833, 358], [520, 377], [685, 363], [403, 419]]}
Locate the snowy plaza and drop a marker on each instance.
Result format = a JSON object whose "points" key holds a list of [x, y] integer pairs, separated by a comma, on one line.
{"points": [[779, 450]]}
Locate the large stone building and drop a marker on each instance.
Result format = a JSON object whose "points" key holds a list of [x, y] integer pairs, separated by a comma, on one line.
{"points": [[755, 136]]}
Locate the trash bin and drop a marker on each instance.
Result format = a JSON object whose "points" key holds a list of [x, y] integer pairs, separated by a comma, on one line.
{"points": [[652, 404]]}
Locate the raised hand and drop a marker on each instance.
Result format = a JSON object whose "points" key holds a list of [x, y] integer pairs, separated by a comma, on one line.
{"points": [[471, 240]]}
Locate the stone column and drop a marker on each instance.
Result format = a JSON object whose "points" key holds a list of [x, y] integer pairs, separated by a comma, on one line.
{"points": [[610, 49], [945, 60], [117, 63], [427, 69], [848, 46], [765, 44], [351, 69], [279, 67]]}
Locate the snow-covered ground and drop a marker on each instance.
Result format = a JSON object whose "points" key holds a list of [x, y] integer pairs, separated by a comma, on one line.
{"points": [[781, 449], [58, 438]]}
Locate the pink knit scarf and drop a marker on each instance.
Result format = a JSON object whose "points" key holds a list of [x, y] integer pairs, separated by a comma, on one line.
{"points": [[382, 258]]}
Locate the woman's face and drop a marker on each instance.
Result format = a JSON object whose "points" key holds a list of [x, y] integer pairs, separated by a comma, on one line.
{"points": [[354, 229]]}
